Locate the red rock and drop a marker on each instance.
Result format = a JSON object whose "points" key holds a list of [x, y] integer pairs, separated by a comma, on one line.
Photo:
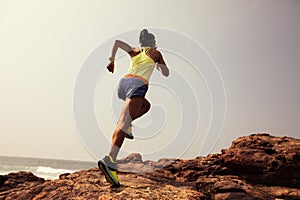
{"points": [[233, 174], [132, 158], [234, 196], [262, 158], [18, 180]]}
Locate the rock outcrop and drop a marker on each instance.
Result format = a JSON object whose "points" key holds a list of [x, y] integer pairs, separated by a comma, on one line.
{"points": [[265, 159], [258, 166]]}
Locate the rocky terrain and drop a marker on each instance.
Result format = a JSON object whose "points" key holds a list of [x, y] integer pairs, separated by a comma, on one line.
{"points": [[258, 166]]}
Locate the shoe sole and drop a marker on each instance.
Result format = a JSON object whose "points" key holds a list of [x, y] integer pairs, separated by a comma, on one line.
{"points": [[108, 176], [129, 136]]}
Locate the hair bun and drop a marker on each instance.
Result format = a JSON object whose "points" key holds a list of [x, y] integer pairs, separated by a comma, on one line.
{"points": [[143, 35]]}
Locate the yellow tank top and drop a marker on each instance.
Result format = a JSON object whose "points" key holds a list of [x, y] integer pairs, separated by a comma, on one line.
{"points": [[142, 65]]}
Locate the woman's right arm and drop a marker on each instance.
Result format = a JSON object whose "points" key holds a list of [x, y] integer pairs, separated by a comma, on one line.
{"points": [[161, 66], [163, 69]]}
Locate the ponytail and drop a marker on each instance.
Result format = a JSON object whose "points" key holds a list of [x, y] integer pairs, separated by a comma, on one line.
{"points": [[143, 35], [146, 37]]}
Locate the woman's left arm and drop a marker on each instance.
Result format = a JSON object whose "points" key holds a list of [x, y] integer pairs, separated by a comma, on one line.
{"points": [[119, 44]]}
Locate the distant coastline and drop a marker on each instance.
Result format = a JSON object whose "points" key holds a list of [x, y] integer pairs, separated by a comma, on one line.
{"points": [[48, 169]]}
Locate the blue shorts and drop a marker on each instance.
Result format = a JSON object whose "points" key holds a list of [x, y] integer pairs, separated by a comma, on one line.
{"points": [[130, 87]]}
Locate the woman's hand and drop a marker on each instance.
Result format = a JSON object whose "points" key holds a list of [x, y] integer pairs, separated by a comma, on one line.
{"points": [[163, 69], [111, 67]]}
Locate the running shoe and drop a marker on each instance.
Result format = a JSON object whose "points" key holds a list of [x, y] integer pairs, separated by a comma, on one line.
{"points": [[109, 169], [128, 133]]}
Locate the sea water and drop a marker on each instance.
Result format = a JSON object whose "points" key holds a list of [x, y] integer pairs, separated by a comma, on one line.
{"points": [[48, 169]]}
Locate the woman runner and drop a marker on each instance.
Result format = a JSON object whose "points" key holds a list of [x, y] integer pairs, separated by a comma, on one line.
{"points": [[132, 89]]}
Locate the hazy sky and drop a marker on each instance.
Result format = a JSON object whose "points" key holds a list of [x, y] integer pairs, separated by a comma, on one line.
{"points": [[255, 44]]}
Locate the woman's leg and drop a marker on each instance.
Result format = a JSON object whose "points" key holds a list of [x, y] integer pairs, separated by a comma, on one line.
{"points": [[144, 109], [132, 109]]}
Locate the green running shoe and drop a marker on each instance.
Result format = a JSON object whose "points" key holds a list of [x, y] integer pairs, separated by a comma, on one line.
{"points": [[128, 133], [109, 169]]}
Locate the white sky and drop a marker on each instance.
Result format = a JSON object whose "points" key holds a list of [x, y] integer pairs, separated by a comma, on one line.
{"points": [[255, 44]]}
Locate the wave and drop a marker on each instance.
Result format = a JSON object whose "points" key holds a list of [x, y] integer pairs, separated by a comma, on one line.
{"points": [[44, 168], [40, 171], [50, 170]]}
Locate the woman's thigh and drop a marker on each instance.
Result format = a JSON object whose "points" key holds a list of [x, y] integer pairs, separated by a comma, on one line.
{"points": [[131, 109]]}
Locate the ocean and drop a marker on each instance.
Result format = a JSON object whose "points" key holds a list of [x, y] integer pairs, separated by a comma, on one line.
{"points": [[48, 169]]}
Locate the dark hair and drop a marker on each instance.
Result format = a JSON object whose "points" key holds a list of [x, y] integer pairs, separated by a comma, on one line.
{"points": [[146, 37]]}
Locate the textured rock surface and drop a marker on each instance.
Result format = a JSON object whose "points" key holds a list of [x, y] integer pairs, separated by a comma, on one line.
{"points": [[244, 171], [264, 158]]}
